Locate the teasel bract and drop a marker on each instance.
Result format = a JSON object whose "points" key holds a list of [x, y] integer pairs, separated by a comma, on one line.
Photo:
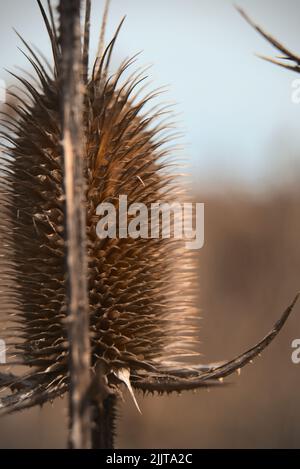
{"points": [[141, 292]]}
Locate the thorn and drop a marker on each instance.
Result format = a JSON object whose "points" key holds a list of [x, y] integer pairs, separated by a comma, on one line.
{"points": [[141, 181], [124, 375]]}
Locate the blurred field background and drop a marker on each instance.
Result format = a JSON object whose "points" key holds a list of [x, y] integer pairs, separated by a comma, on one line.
{"points": [[243, 148]]}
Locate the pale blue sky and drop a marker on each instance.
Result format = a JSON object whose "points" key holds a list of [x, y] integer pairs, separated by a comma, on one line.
{"points": [[236, 110]]}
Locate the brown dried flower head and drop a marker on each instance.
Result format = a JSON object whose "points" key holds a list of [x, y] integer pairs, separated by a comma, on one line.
{"points": [[141, 291]]}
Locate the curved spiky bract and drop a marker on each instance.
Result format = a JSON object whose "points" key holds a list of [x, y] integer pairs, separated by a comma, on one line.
{"points": [[140, 300]]}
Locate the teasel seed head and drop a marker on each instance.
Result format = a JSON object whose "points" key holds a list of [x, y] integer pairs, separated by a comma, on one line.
{"points": [[142, 310], [138, 307]]}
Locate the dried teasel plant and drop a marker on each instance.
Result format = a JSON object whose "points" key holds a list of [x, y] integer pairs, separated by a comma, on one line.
{"points": [[85, 315], [288, 60]]}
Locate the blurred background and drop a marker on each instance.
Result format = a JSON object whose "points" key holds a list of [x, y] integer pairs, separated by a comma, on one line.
{"points": [[242, 144]]}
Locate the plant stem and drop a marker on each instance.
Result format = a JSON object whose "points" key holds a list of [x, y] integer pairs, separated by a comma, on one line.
{"points": [[103, 429], [75, 223]]}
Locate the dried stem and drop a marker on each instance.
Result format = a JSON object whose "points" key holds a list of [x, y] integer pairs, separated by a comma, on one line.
{"points": [[86, 42], [75, 224], [288, 55], [103, 423]]}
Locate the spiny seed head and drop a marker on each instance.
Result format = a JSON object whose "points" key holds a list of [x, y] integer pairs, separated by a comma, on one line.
{"points": [[140, 290]]}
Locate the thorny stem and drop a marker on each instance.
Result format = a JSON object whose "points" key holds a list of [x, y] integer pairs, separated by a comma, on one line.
{"points": [[86, 42], [103, 423], [75, 223]]}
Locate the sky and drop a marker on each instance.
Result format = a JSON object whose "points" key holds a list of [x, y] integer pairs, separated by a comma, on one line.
{"points": [[239, 122]]}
